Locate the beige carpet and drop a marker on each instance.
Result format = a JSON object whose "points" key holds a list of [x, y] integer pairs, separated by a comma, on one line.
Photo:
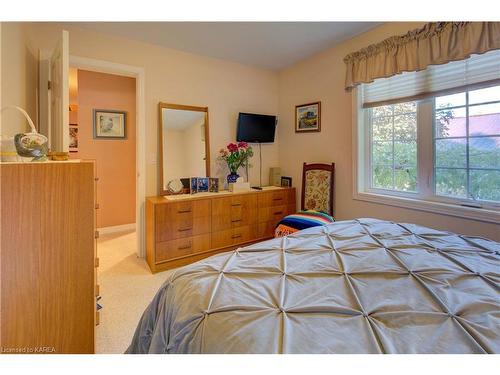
{"points": [[126, 287]]}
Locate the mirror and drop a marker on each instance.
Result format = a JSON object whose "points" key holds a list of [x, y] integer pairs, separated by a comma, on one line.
{"points": [[184, 146]]}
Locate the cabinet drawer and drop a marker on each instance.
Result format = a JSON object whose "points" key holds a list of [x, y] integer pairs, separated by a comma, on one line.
{"points": [[273, 213], [266, 229], [233, 236], [232, 212], [181, 247], [182, 220], [273, 198]]}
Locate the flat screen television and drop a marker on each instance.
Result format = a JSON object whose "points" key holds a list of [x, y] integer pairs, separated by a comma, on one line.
{"points": [[254, 128]]}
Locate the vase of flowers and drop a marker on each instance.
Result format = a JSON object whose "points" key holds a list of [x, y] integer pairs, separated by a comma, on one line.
{"points": [[235, 155]]}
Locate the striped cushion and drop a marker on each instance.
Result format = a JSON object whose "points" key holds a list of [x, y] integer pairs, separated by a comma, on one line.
{"points": [[301, 220]]}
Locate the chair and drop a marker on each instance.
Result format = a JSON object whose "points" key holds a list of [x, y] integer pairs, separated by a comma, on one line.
{"points": [[316, 200]]}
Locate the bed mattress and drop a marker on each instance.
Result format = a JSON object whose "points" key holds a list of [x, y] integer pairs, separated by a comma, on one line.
{"points": [[360, 286]]}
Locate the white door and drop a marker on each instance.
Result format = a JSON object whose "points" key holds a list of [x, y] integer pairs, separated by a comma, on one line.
{"points": [[59, 95]]}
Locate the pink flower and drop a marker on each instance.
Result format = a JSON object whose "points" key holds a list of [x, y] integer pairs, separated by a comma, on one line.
{"points": [[232, 147], [242, 145]]}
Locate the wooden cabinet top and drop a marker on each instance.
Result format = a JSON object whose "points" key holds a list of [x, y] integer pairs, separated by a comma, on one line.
{"points": [[221, 194]]}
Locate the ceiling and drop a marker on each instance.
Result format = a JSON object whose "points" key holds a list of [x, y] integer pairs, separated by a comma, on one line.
{"points": [[268, 45]]}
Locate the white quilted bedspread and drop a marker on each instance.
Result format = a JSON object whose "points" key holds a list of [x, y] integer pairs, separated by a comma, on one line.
{"points": [[361, 286]]}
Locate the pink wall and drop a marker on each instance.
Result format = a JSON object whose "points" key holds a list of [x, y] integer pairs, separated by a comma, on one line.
{"points": [[115, 158]]}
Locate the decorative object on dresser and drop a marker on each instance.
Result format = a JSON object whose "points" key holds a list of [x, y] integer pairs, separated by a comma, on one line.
{"points": [[308, 117], [48, 276], [213, 186], [275, 176], [235, 155], [73, 137], [184, 146], [110, 124], [182, 230], [286, 181]]}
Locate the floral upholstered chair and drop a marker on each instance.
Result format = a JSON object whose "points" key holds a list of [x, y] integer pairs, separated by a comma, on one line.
{"points": [[316, 200]]}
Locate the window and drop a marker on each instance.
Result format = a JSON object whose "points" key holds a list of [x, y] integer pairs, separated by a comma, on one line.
{"points": [[467, 145], [443, 149]]}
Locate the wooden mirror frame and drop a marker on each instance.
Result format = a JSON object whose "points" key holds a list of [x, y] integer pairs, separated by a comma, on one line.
{"points": [[161, 106]]}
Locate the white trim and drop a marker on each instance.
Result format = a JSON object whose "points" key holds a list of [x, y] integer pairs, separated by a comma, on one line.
{"points": [[140, 80], [479, 214], [116, 229]]}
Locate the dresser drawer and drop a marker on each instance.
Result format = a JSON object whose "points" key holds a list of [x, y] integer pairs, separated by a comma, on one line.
{"points": [[181, 220], [232, 212], [266, 229], [233, 236], [273, 198], [273, 213], [182, 247]]}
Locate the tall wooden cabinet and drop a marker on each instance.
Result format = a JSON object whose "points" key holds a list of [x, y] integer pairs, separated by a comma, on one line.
{"points": [[184, 229], [48, 257]]}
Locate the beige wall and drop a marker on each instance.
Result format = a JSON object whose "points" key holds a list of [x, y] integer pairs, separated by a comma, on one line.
{"points": [[19, 78], [321, 77], [173, 76], [115, 157]]}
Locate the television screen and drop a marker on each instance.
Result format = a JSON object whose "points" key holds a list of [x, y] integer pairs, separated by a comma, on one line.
{"points": [[255, 128]]}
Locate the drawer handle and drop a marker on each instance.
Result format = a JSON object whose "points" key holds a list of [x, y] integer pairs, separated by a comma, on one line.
{"points": [[96, 234], [183, 211], [97, 206], [185, 247], [277, 199], [235, 204], [96, 178], [185, 229], [278, 212], [235, 221], [236, 236]]}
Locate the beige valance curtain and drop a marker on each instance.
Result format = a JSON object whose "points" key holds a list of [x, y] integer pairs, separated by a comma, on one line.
{"points": [[435, 43]]}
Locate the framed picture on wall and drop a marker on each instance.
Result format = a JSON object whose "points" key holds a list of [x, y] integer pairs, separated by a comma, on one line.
{"points": [[110, 124], [308, 117], [73, 138]]}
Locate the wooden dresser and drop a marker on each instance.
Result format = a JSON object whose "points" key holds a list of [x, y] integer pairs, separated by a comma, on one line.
{"points": [[184, 229], [48, 257]]}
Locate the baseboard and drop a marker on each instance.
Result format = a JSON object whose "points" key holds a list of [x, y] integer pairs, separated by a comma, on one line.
{"points": [[117, 228]]}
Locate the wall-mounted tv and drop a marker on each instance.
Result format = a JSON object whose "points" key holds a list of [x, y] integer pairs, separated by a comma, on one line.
{"points": [[254, 128]]}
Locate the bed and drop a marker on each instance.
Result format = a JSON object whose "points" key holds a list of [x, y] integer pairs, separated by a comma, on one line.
{"points": [[359, 286]]}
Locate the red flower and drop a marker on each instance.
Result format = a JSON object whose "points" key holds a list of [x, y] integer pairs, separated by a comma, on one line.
{"points": [[232, 147], [242, 145]]}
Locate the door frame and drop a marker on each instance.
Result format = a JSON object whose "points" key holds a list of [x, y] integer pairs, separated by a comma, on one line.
{"points": [[138, 73]]}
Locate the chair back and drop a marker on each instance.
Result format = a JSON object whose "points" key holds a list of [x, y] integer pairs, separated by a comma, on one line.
{"points": [[317, 187]]}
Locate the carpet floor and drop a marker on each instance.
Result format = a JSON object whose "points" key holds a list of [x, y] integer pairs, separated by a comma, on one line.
{"points": [[127, 286]]}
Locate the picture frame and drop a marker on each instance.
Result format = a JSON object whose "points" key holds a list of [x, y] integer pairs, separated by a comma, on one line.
{"points": [[193, 185], [202, 184], [213, 185], [110, 124], [73, 137], [286, 181], [308, 117]]}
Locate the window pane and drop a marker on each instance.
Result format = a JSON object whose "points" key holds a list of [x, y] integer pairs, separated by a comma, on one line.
{"points": [[405, 127], [385, 110], [382, 153], [405, 107], [382, 129], [382, 177], [451, 123], [484, 119], [451, 153], [485, 184], [490, 94], [484, 152], [454, 100], [451, 182], [405, 153], [405, 178]]}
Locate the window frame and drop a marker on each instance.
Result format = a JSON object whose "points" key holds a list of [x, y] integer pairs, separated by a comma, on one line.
{"points": [[425, 198]]}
